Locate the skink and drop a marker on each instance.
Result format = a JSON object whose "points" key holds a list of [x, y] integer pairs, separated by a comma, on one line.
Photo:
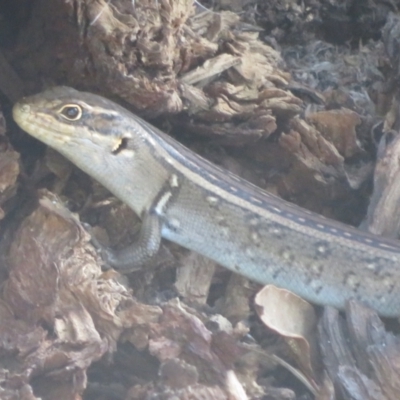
{"points": [[184, 198]]}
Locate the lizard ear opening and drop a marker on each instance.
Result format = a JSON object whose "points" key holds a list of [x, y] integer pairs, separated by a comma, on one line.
{"points": [[122, 144]]}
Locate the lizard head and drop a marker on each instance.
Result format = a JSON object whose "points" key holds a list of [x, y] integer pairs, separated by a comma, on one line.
{"points": [[63, 117], [99, 136]]}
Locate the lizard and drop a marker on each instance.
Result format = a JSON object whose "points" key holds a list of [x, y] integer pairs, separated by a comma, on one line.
{"points": [[184, 198]]}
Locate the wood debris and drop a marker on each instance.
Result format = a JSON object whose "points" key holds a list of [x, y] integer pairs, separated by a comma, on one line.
{"points": [[285, 94]]}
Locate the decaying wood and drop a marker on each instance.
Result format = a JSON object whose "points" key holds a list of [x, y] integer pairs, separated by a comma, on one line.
{"points": [[293, 113], [361, 357]]}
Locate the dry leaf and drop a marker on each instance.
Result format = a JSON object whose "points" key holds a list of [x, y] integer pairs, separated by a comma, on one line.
{"points": [[295, 320]]}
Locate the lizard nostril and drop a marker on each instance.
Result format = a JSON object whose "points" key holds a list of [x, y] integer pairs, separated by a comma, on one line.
{"points": [[25, 108]]}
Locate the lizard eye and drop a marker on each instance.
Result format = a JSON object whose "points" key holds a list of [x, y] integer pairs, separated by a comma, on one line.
{"points": [[71, 112]]}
